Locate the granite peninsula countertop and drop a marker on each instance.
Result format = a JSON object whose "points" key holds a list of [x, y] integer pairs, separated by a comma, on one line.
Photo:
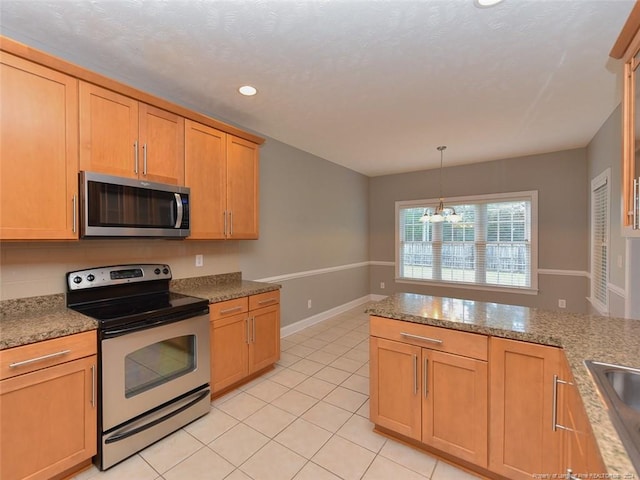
{"points": [[582, 337], [34, 319]]}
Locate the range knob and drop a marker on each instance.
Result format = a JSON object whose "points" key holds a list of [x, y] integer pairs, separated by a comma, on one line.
{"points": [[165, 270], [77, 279], [157, 271], [91, 277]]}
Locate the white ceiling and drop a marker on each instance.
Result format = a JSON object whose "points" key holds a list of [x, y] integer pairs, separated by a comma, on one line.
{"points": [[374, 85]]}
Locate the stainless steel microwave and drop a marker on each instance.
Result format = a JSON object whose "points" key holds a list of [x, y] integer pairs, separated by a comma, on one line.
{"points": [[126, 207]]}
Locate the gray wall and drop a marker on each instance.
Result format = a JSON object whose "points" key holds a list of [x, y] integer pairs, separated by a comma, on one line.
{"points": [[560, 180], [313, 218], [605, 151]]}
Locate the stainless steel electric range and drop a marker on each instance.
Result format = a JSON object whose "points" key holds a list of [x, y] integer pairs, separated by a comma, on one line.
{"points": [[153, 347]]}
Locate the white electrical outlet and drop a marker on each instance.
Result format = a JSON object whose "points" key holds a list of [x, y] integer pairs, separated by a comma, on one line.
{"points": [[382, 285], [562, 303], [309, 303], [199, 260]]}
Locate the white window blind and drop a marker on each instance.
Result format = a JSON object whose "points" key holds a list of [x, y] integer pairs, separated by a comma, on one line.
{"points": [[600, 242], [493, 245]]}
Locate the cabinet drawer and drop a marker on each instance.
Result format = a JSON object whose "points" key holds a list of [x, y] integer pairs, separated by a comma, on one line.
{"points": [[28, 358], [228, 308], [436, 338], [264, 299]]}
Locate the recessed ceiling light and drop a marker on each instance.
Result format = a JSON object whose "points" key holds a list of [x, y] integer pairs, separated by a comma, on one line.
{"points": [[248, 90], [486, 3]]}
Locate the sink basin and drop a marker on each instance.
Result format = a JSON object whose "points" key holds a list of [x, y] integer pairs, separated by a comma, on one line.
{"points": [[619, 387], [626, 384]]}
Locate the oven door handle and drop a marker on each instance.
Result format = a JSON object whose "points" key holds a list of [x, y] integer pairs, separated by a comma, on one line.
{"points": [[111, 333], [134, 431]]}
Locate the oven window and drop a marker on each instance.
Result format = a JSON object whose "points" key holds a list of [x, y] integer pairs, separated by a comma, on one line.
{"points": [[159, 363]]}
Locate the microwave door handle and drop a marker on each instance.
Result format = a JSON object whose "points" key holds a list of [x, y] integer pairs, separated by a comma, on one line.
{"points": [[179, 210]]}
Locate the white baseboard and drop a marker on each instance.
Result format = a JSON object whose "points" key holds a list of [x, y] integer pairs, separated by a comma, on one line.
{"points": [[327, 314]]}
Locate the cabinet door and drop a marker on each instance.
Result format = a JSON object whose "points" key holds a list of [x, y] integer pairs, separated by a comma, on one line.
{"points": [[580, 452], [242, 188], [395, 371], [229, 351], [161, 145], [38, 151], [205, 174], [454, 399], [48, 420], [264, 348], [108, 132], [522, 439]]}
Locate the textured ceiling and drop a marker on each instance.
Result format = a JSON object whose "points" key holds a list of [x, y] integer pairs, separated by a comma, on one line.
{"points": [[374, 85]]}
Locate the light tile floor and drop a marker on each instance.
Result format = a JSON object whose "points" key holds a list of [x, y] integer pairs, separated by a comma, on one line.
{"points": [[305, 420]]}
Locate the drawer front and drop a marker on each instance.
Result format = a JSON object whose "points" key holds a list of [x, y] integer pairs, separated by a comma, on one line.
{"points": [[436, 338], [35, 356], [264, 299], [228, 308]]}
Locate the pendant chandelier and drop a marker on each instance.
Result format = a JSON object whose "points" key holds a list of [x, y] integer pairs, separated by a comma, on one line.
{"points": [[442, 213]]}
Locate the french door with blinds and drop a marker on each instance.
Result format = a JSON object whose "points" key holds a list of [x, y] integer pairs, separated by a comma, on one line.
{"points": [[600, 242], [494, 245]]}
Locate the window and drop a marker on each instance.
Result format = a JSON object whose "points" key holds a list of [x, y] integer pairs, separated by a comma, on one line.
{"points": [[600, 242], [494, 245]]}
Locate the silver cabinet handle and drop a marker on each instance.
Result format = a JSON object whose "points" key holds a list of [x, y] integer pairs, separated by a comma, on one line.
{"points": [[636, 203], [267, 300], [74, 203], [179, 210], [224, 216], [93, 386], [418, 337], [144, 159], [230, 310], [39, 359], [415, 374], [425, 378], [135, 157], [253, 329], [554, 412]]}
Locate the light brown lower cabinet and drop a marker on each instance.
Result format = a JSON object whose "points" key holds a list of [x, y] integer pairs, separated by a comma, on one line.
{"points": [[48, 418], [523, 441], [439, 387], [245, 338], [436, 397], [579, 450]]}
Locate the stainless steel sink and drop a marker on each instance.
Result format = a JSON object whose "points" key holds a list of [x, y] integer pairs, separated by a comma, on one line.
{"points": [[620, 389]]}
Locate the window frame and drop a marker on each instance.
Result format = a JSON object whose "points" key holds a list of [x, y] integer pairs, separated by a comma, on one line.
{"points": [[527, 195]]}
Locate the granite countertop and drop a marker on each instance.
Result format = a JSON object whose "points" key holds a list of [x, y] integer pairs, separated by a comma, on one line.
{"points": [[33, 319], [218, 288], [583, 337]]}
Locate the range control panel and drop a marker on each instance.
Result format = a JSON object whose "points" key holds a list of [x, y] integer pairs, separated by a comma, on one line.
{"points": [[116, 275]]}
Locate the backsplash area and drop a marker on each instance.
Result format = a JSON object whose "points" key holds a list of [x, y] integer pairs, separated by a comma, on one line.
{"points": [[33, 269]]}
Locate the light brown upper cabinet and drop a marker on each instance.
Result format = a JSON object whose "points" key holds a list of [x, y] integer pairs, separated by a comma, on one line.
{"points": [[38, 151], [627, 47], [222, 172], [242, 188], [127, 138]]}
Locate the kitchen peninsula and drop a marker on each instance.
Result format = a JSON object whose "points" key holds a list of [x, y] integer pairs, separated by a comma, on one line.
{"points": [[451, 351]]}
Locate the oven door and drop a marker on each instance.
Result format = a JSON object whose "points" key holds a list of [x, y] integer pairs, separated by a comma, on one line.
{"points": [[145, 369]]}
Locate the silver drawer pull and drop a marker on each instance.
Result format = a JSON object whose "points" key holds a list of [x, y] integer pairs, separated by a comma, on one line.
{"points": [[232, 309], [39, 359], [418, 337], [267, 300]]}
